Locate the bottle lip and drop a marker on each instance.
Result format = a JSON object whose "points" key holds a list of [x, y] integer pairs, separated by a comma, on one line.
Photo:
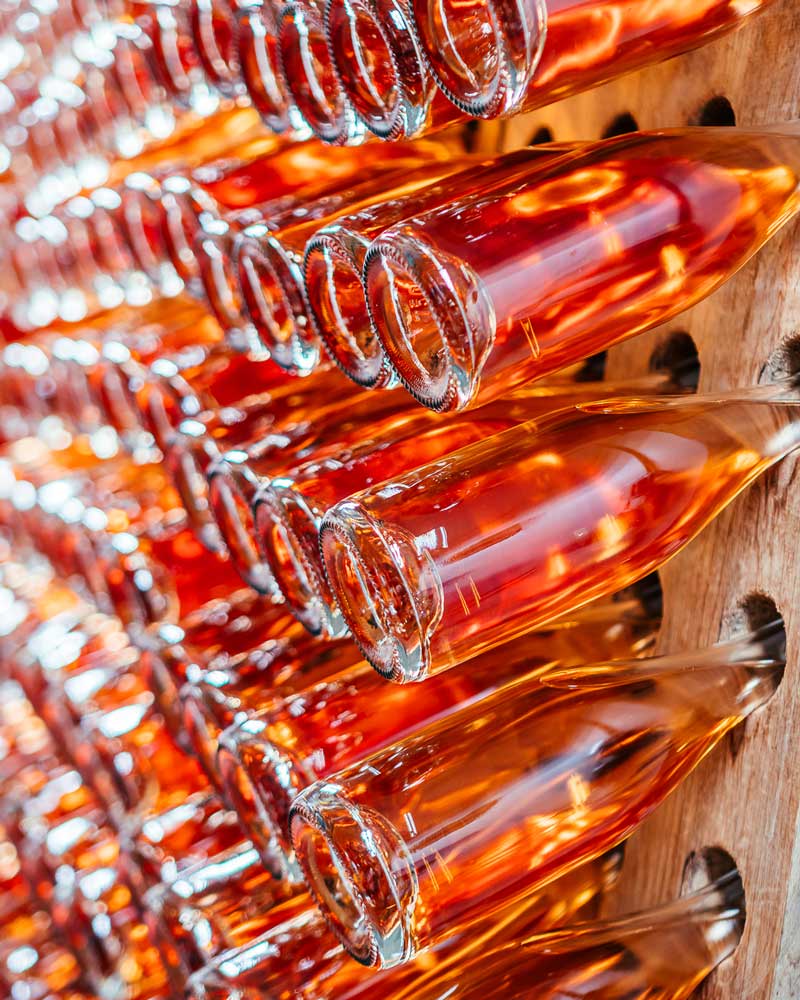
{"points": [[395, 640], [330, 116], [296, 577], [271, 286], [502, 89], [381, 934], [231, 488], [331, 252], [390, 123], [460, 318]]}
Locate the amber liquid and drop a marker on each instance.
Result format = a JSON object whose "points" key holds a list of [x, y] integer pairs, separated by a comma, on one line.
{"points": [[303, 736], [598, 247], [515, 789], [539, 520]]}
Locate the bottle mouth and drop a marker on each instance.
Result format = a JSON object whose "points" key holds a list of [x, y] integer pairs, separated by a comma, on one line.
{"points": [[271, 288], [242, 793], [288, 535], [365, 66], [187, 460], [358, 870], [482, 56], [389, 594], [338, 306], [261, 71], [181, 213], [144, 229], [232, 489], [310, 76], [202, 733], [218, 278], [216, 30], [433, 317]]}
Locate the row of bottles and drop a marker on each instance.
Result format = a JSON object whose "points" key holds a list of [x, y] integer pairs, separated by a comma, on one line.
{"points": [[308, 690]]}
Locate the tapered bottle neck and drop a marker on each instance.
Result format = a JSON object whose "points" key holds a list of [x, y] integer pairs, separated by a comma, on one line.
{"points": [[749, 667]]}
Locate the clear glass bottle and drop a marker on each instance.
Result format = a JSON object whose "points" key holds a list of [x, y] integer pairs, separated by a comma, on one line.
{"points": [[454, 819], [434, 567], [300, 954], [309, 74], [282, 740], [382, 71], [333, 263], [534, 273], [289, 507], [493, 60]]}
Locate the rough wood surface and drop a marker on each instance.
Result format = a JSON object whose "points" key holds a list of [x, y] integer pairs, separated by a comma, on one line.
{"points": [[745, 796]]}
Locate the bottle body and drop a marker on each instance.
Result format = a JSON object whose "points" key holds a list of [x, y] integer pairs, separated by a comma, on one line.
{"points": [[531, 275], [492, 60], [476, 548], [567, 773]]}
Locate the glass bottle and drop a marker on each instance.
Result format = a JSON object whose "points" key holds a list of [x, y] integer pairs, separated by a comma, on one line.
{"points": [[381, 69], [261, 70], [491, 60], [288, 508], [284, 418], [530, 275], [281, 741], [232, 658], [434, 567], [310, 76], [217, 235], [300, 954], [334, 258], [261, 175], [571, 768], [215, 29], [221, 903]]}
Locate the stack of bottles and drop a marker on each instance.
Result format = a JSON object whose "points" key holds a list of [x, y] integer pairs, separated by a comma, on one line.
{"points": [[329, 658]]}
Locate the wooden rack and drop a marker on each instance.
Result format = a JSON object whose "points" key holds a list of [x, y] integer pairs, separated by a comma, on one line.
{"points": [[744, 798]]}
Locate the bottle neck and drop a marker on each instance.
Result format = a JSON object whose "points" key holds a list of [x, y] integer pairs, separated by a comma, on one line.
{"points": [[751, 666]]}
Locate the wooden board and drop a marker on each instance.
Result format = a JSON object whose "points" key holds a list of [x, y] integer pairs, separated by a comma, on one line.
{"points": [[744, 798]]}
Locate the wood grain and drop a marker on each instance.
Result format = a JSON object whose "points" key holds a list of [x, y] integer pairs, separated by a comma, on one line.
{"points": [[745, 796]]}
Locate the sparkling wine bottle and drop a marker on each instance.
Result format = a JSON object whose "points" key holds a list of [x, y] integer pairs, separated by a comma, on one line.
{"points": [[299, 953], [381, 69], [334, 259], [289, 508], [283, 740], [526, 277], [572, 766], [492, 60], [434, 567]]}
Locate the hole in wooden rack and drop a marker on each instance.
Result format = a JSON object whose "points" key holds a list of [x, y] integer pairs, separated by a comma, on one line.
{"points": [[541, 135], [715, 866], [782, 363], [718, 111], [621, 125], [469, 135], [593, 369], [677, 355], [650, 595]]}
